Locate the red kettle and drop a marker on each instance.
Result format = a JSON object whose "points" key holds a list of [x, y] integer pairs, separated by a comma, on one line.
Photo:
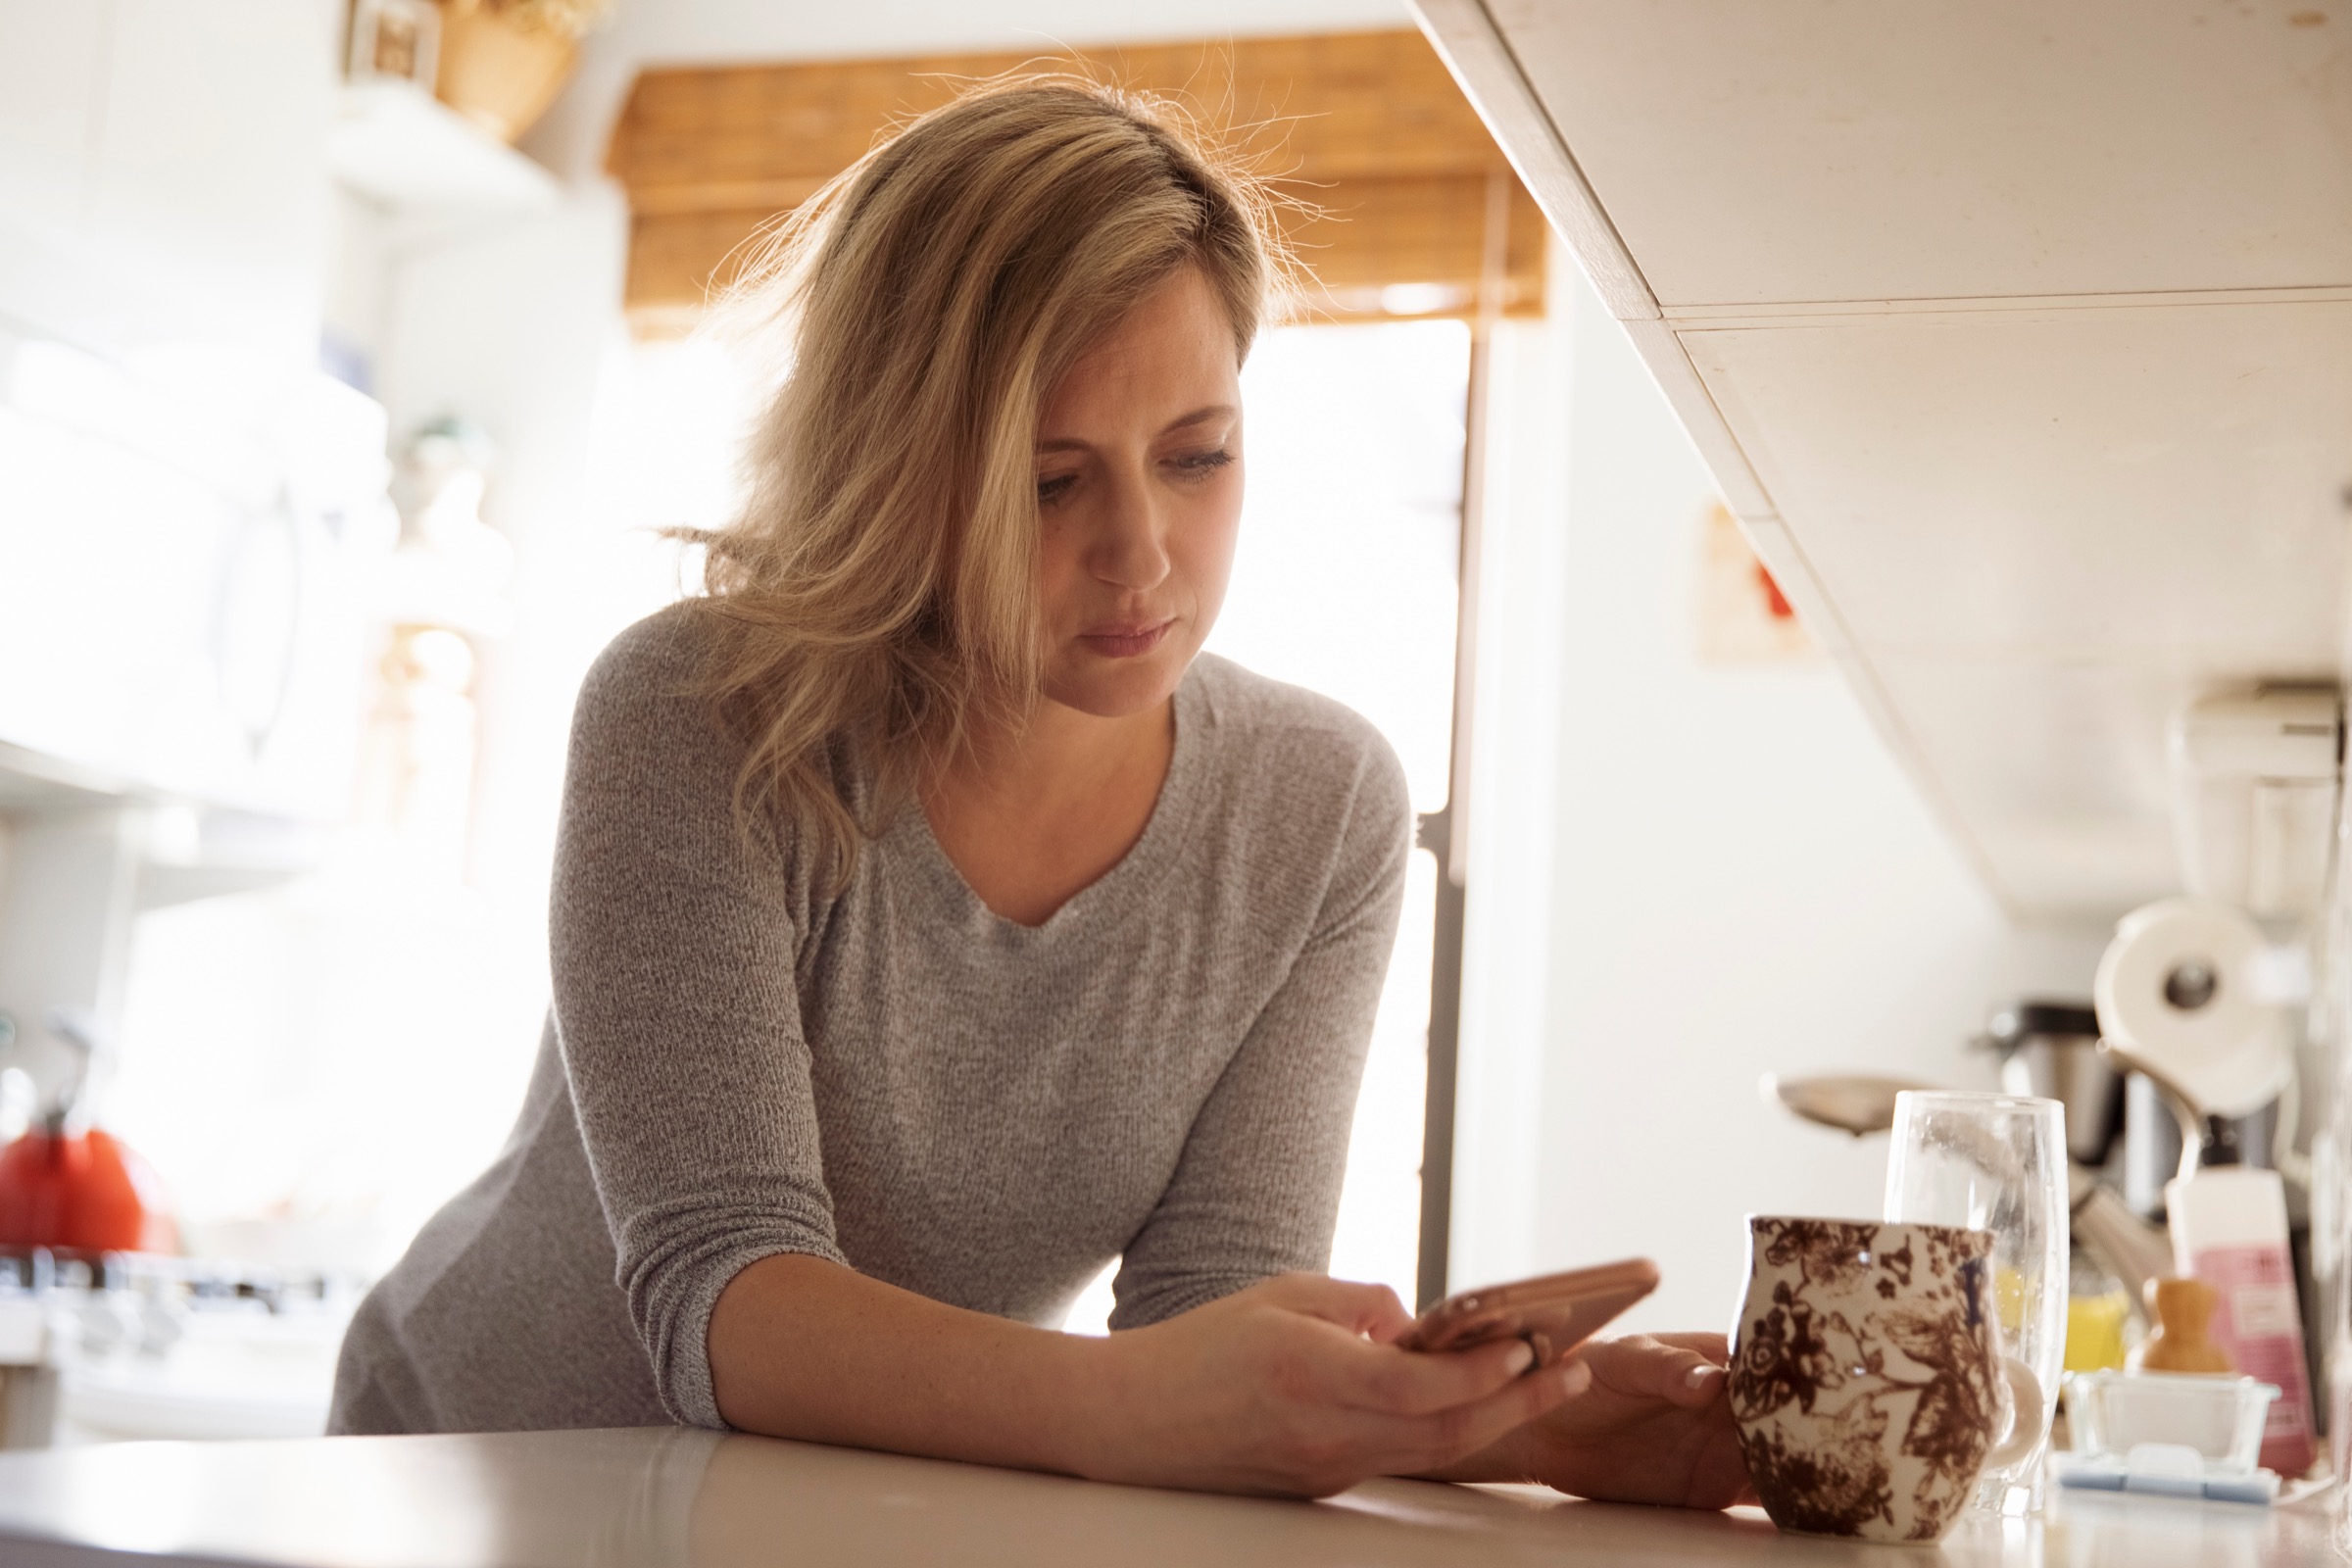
{"points": [[80, 1189], [84, 1190]]}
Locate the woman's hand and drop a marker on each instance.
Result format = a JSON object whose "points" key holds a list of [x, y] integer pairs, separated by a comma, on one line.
{"points": [[1652, 1427], [1294, 1387]]}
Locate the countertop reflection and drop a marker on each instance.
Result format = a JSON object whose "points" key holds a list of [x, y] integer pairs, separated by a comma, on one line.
{"points": [[669, 1497]]}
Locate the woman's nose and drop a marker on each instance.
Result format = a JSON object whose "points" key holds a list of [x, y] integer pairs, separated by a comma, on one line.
{"points": [[1129, 549]]}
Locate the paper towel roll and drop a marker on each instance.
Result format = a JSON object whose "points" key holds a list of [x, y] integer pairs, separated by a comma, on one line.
{"points": [[2176, 990]]}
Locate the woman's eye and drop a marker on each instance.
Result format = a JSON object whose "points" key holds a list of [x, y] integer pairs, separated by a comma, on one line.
{"points": [[1054, 487], [1195, 464]]}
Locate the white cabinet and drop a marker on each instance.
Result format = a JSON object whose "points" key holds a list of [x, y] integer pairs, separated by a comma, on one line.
{"points": [[1844, 150], [176, 148], [171, 468], [2020, 337]]}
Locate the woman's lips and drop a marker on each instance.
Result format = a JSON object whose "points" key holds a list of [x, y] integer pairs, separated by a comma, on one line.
{"points": [[1126, 642]]}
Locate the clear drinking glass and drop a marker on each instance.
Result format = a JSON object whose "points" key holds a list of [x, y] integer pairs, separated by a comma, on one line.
{"points": [[1997, 1163]]}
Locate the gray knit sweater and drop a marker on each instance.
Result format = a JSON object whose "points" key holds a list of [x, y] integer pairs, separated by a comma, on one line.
{"points": [[895, 1078]]}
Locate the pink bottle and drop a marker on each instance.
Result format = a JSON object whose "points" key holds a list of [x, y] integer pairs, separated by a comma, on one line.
{"points": [[2229, 1230]]}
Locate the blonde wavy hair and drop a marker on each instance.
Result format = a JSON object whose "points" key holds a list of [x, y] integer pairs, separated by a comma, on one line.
{"points": [[874, 602]]}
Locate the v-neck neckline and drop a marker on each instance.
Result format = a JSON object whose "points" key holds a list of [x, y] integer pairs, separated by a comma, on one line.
{"points": [[1118, 891]]}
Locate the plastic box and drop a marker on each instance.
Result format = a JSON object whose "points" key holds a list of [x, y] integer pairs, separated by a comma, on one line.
{"points": [[2217, 1415]]}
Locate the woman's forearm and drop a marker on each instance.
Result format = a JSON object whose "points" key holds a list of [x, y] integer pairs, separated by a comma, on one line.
{"points": [[803, 1347], [1289, 1386]]}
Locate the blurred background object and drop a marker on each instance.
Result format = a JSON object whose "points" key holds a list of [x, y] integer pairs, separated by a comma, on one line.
{"points": [[503, 61], [395, 40]]}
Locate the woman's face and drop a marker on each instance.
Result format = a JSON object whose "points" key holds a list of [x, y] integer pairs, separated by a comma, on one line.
{"points": [[1139, 494]]}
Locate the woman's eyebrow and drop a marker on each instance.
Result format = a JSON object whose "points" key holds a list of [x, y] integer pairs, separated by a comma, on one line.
{"points": [[1216, 410]]}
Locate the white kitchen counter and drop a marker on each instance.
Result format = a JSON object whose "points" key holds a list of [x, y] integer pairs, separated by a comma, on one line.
{"points": [[676, 1498]]}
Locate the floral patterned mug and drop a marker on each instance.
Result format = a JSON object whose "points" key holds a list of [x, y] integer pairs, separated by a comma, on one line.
{"points": [[1867, 1375]]}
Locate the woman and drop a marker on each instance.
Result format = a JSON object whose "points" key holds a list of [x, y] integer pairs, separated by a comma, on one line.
{"points": [[932, 924]]}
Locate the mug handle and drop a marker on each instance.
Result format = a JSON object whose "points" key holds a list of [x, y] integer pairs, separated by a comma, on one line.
{"points": [[2026, 1408]]}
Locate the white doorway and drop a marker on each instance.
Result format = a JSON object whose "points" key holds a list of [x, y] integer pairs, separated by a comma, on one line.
{"points": [[1347, 583]]}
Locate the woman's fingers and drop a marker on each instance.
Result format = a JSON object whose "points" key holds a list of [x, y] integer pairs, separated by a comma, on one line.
{"points": [[1714, 1346], [1381, 1378], [1429, 1443], [1371, 1310], [1685, 1369]]}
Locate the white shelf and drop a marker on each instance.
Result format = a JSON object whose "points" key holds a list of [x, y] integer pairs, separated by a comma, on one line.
{"points": [[399, 148]]}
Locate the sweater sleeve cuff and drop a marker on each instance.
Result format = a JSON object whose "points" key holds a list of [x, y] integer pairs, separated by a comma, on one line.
{"points": [[685, 1382]]}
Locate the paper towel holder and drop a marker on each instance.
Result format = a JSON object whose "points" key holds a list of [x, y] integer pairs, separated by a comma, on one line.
{"points": [[2188, 997]]}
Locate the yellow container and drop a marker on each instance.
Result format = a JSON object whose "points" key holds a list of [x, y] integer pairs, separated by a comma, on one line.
{"points": [[2094, 1331]]}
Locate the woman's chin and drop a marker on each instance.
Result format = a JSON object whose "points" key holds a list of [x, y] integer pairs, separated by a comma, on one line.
{"points": [[1118, 688]]}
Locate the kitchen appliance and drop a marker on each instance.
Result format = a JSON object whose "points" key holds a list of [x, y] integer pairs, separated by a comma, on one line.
{"points": [[2050, 1050], [84, 1190], [66, 1185]]}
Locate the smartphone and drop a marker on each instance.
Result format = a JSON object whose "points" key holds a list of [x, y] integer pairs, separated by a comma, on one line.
{"points": [[1553, 1314]]}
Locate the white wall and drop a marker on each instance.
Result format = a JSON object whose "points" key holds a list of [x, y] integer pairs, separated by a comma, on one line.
{"points": [[1743, 882]]}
